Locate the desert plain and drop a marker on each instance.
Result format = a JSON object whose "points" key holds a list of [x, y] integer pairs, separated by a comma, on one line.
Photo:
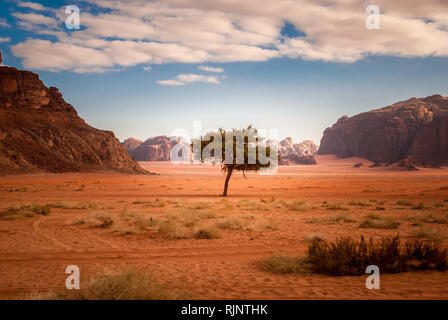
{"points": [[105, 221]]}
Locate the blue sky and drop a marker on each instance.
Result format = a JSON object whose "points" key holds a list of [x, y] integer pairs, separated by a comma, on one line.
{"points": [[299, 93]]}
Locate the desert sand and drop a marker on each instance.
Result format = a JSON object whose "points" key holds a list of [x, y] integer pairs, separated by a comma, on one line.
{"points": [[35, 251]]}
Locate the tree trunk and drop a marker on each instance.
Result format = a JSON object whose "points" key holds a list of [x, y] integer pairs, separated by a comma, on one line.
{"points": [[226, 184]]}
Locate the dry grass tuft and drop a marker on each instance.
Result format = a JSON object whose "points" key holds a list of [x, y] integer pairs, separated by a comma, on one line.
{"points": [[22, 212], [284, 264], [379, 222], [346, 256], [207, 233], [126, 285], [173, 229], [340, 218]]}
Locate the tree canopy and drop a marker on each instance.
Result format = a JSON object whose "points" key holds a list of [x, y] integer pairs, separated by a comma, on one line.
{"points": [[236, 150]]}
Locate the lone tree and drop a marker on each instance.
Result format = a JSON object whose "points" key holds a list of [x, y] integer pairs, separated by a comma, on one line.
{"points": [[236, 150]]}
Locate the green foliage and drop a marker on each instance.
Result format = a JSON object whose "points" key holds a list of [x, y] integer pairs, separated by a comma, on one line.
{"points": [[240, 153]]}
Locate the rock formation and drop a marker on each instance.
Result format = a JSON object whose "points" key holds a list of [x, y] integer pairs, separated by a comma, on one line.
{"points": [[131, 144], [415, 127], [39, 131], [152, 149], [299, 153]]}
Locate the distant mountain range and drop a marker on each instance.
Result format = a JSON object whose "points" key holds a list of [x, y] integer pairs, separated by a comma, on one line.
{"points": [[158, 149]]}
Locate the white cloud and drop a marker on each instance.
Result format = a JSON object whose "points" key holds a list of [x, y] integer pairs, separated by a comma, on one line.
{"points": [[188, 78], [61, 56], [4, 23], [183, 79], [35, 21], [217, 31], [31, 5], [147, 68], [170, 83], [211, 69], [7, 39]]}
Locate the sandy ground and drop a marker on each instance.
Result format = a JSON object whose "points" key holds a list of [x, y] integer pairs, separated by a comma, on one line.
{"points": [[34, 252]]}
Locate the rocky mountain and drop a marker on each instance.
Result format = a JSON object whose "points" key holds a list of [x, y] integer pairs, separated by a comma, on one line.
{"points": [[159, 148], [131, 144], [417, 127], [152, 149], [299, 153], [39, 131]]}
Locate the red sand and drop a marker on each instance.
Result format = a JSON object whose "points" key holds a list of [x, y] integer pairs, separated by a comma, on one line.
{"points": [[34, 252]]}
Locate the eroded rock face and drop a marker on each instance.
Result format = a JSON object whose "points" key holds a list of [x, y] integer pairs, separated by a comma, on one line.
{"points": [[152, 149], [299, 153], [131, 144], [415, 127], [39, 131]]}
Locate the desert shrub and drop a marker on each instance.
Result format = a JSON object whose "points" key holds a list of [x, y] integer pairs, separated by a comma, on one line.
{"points": [[21, 212], [84, 205], [406, 203], [340, 218], [200, 205], [144, 223], [429, 218], [141, 202], [207, 233], [374, 216], [125, 285], [42, 210], [297, 206], [250, 205], [231, 223], [360, 204], [284, 264], [421, 206], [173, 229], [158, 203], [278, 204], [106, 220], [265, 224], [346, 256], [380, 223]]}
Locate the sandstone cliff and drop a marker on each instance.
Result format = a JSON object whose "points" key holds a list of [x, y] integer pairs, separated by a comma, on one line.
{"points": [[39, 131], [415, 127], [152, 149], [299, 153]]}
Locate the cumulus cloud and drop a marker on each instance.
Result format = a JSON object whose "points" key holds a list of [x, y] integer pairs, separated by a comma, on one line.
{"points": [[128, 33], [147, 68], [183, 79], [211, 69], [7, 39]]}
